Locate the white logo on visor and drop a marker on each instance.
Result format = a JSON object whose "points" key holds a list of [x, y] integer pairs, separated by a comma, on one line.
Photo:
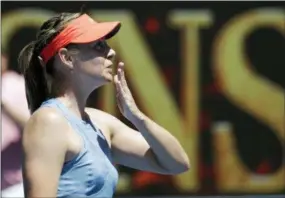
{"points": [[91, 20]]}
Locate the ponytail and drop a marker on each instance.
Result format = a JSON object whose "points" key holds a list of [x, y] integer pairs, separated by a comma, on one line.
{"points": [[35, 75], [36, 86]]}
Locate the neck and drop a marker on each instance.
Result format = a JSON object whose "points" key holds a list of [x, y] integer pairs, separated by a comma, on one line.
{"points": [[73, 94], [75, 102]]}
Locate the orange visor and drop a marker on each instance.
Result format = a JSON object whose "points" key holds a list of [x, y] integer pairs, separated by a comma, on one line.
{"points": [[81, 30]]}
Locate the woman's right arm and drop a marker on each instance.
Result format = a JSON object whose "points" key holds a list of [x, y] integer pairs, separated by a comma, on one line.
{"points": [[44, 146]]}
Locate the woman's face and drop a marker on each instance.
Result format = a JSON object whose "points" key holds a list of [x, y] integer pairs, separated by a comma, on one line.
{"points": [[93, 61]]}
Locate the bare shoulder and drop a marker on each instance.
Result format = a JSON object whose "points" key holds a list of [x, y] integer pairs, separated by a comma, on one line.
{"points": [[46, 117], [45, 125], [44, 150], [100, 115], [106, 121]]}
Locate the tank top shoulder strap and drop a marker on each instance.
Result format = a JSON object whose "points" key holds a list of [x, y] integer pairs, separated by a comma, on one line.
{"points": [[58, 105], [76, 123]]}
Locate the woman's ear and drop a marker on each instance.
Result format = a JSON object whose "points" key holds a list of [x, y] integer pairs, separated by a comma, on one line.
{"points": [[66, 57]]}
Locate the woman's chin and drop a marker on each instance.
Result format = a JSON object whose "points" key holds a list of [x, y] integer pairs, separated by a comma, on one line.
{"points": [[109, 77]]}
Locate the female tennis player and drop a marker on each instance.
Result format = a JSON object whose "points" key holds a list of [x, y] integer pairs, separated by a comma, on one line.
{"points": [[69, 150]]}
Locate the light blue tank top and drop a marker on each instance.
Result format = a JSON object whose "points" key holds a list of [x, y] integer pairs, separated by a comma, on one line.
{"points": [[91, 173]]}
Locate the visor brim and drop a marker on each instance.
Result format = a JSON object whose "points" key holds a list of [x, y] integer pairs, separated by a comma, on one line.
{"points": [[99, 31]]}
